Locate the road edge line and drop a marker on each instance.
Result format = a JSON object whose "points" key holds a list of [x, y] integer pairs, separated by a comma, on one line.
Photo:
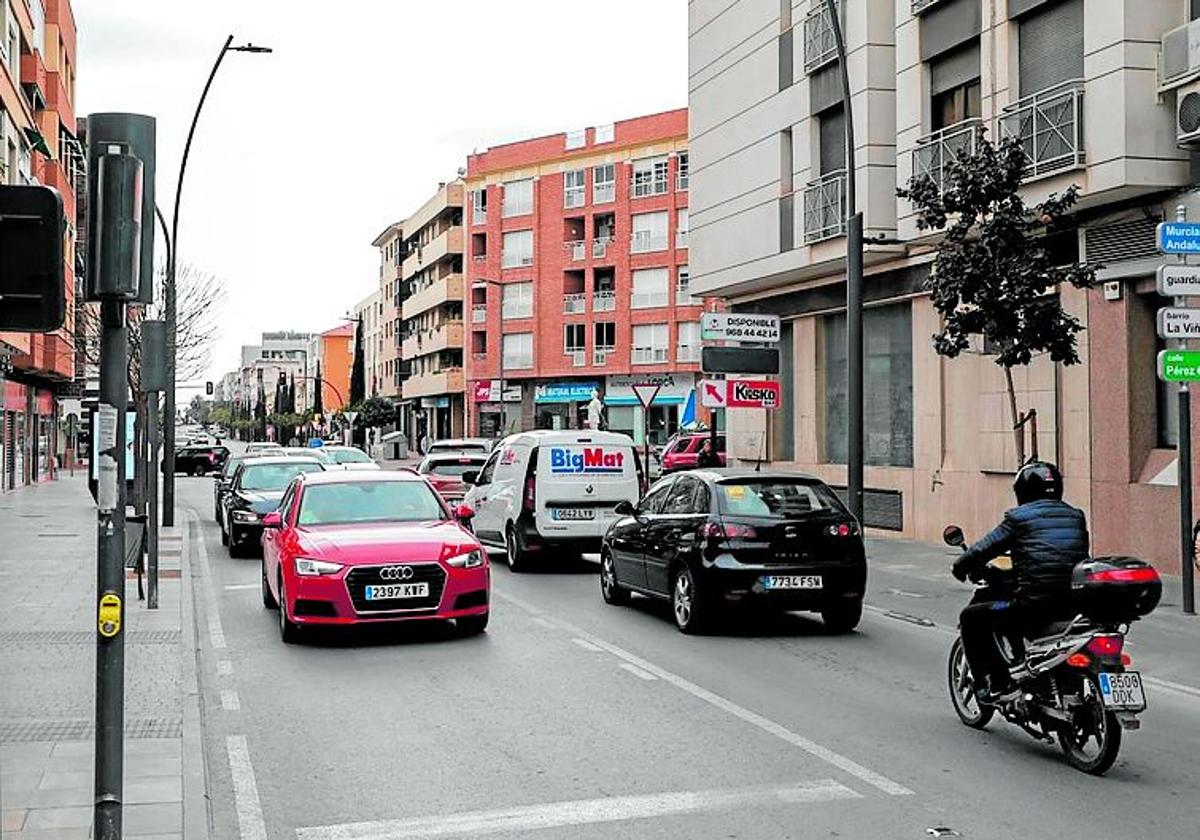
{"points": [[196, 817]]}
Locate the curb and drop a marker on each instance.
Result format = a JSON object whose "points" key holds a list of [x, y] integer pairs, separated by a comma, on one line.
{"points": [[195, 775]]}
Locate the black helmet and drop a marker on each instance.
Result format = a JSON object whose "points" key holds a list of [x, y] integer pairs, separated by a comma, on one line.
{"points": [[1038, 480]]}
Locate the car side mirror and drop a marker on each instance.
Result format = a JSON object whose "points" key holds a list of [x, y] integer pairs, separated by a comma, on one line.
{"points": [[953, 535], [464, 513], [625, 508], [274, 519], [470, 477]]}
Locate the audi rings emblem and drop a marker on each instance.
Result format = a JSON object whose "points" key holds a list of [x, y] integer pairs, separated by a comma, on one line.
{"points": [[396, 572]]}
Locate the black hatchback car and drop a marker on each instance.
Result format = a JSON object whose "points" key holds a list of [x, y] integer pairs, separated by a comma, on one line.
{"points": [[199, 459], [709, 538]]}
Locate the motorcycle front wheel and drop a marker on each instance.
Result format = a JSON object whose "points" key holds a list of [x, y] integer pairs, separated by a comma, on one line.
{"points": [[1091, 742], [962, 690]]}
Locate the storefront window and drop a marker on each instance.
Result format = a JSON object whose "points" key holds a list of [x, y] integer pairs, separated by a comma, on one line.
{"points": [[887, 379]]}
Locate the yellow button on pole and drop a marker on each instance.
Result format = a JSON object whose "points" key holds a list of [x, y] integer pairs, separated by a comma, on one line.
{"points": [[109, 620]]}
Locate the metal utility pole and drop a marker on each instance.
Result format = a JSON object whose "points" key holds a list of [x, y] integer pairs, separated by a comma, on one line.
{"points": [[153, 380], [854, 283], [1187, 547], [169, 290]]}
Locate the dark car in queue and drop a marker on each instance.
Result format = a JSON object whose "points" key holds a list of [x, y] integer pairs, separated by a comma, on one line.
{"points": [[708, 539], [445, 471], [255, 491], [200, 459]]}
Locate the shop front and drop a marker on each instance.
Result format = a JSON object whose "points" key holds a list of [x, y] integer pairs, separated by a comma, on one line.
{"points": [[563, 404], [625, 414], [495, 418], [28, 435]]}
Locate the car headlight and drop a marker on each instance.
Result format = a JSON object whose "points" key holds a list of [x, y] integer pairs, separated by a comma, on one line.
{"points": [[308, 567], [245, 516], [470, 560]]}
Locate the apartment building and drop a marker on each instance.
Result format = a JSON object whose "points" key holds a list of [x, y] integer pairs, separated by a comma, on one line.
{"points": [[369, 314], [577, 278], [280, 353], [431, 317], [389, 243], [330, 355], [37, 146], [1077, 83]]}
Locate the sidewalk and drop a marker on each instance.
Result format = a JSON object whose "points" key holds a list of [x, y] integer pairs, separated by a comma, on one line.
{"points": [[47, 674]]}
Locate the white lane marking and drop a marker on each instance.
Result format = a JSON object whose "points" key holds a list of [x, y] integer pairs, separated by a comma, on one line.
{"points": [[638, 672], [216, 633], [232, 586], [224, 667], [245, 790], [582, 812], [230, 701], [541, 622], [586, 645], [1167, 685], [753, 718]]}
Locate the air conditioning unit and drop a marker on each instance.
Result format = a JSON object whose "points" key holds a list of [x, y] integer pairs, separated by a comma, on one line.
{"points": [[1180, 58], [1187, 114]]}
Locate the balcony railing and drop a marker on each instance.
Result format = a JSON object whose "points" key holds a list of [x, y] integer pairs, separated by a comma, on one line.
{"points": [[820, 44], [518, 361], [479, 356], [577, 248], [578, 358], [683, 296], [515, 260], [643, 241], [649, 183], [825, 207], [604, 192], [517, 309], [649, 355], [574, 197], [647, 300], [681, 239], [479, 215], [600, 355], [688, 353], [479, 313], [600, 246], [1049, 126], [681, 182], [919, 6], [935, 151], [604, 301], [479, 258], [574, 304]]}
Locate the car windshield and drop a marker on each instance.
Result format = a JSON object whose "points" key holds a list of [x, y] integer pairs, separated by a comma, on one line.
{"points": [[369, 501], [273, 477], [453, 468], [231, 465], [306, 452], [776, 497], [349, 456]]}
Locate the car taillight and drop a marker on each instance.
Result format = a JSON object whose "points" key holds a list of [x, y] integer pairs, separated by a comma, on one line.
{"points": [[1079, 660], [1107, 645], [212, 457], [729, 531], [842, 529], [1143, 574], [530, 493]]}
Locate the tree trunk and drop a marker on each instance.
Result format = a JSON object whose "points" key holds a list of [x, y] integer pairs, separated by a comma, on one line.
{"points": [[1018, 429]]}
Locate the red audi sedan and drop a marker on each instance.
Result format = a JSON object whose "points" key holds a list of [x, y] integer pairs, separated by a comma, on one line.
{"points": [[356, 547]]}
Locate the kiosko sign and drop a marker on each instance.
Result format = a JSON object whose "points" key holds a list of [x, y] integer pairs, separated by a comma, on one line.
{"points": [[753, 393]]}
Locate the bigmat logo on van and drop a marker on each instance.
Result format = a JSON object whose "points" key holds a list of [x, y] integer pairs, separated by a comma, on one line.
{"points": [[592, 460]]}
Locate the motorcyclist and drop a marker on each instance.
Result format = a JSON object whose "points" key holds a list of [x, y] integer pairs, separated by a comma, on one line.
{"points": [[1046, 538]]}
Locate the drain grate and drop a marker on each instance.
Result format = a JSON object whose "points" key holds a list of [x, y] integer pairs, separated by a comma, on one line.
{"points": [[82, 729], [77, 637]]}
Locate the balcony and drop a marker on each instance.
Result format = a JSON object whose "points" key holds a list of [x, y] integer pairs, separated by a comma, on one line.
{"points": [[448, 336], [1049, 126], [574, 304], [448, 381], [578, 358], [577, 248], [517, 361], [479, 356], [600, 247], [449, 288], [919, 6], [604, 301], [650, 355], [516, 259], [681, 239], [688, 353], [645, 241], [600, 355], [574, 197], [820, 43], [479, 313], [935, 151], [449, 241], [648, 300], [683, 296], [825, 207], [604, 192]]}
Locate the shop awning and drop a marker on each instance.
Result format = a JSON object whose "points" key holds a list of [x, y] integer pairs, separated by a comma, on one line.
{"points": [[670, 399]]}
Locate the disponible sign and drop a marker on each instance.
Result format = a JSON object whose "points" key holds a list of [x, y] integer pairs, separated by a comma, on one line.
{"points": [[734, 326], [1179, 237], [1178, 323], [1179, 365]]}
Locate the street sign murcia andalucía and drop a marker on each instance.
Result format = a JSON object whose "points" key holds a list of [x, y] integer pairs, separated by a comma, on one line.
{"points": [[1178, 280], [1179, 237], [1179, 365], [1178, 323]]}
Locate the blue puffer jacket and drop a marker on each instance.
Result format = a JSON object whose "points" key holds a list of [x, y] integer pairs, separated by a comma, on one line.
{"points": [[1045, 538]]}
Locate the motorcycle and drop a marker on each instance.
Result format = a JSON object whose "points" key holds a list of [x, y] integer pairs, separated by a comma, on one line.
{"points": [[1072, 675]]}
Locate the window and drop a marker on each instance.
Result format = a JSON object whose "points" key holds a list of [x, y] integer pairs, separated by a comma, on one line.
{"points": [[574, 338], [832, 127], [649, 288], [516, 249], [605, 334], [576, 139], [518, 351], [954, 87], [516, 300], [683, 294], [518, 198], [604, 181], [604, 133], [574, 188], [650, 344], [650, 176], [681, 228], [689, 342], [649, 232], [1050, 46], [37, 11], [653, 501], [681, 498], [681, 176], [888, 401], [479, 206]]}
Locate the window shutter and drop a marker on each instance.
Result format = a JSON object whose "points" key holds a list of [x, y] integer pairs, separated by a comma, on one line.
{"points": [[833, 140], [1050, 43], [954, 69]]}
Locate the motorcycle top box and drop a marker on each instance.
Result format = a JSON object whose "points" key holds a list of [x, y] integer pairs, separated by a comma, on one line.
{"points": [[1115, 590]]}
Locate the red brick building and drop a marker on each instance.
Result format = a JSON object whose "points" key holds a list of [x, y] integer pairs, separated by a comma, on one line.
{"points": [[577, 278]]}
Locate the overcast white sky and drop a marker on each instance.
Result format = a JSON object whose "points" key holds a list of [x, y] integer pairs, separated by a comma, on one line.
{"points": [[303, 156]]}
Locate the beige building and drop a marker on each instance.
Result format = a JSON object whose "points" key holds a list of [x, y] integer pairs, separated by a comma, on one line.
{"points": [[369, 315], [389, 243], [1077, 82]]}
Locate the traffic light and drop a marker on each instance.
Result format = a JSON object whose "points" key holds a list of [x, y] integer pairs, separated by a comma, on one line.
{"points": [[208, 388], [31, 259]]}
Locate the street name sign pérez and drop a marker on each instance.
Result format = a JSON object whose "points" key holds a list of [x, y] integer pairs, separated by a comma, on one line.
{"points": [[738, 326], [1178, 323], [1179, 365], [1178, 280], [1178, 237]]}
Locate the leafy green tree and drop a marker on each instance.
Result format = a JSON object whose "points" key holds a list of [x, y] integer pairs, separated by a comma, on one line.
{"points": [[374, 413], [992, 275]]}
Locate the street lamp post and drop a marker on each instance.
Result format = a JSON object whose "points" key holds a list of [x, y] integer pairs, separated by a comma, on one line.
{"points": [[503, 405], [168, 518], [854, 283]]}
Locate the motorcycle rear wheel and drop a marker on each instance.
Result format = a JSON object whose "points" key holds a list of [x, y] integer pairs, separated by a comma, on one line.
{"points": [[962, 690], [1094, 723]]}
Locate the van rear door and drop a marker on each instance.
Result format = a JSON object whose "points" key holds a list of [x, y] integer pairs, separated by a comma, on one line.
{"points": [[579, 482]]}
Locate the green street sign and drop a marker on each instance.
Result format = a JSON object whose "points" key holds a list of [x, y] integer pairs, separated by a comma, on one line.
{"points": [[1179, 365]]}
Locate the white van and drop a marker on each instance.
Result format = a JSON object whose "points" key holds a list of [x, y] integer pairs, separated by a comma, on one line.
{"points": [[551, 494]]}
